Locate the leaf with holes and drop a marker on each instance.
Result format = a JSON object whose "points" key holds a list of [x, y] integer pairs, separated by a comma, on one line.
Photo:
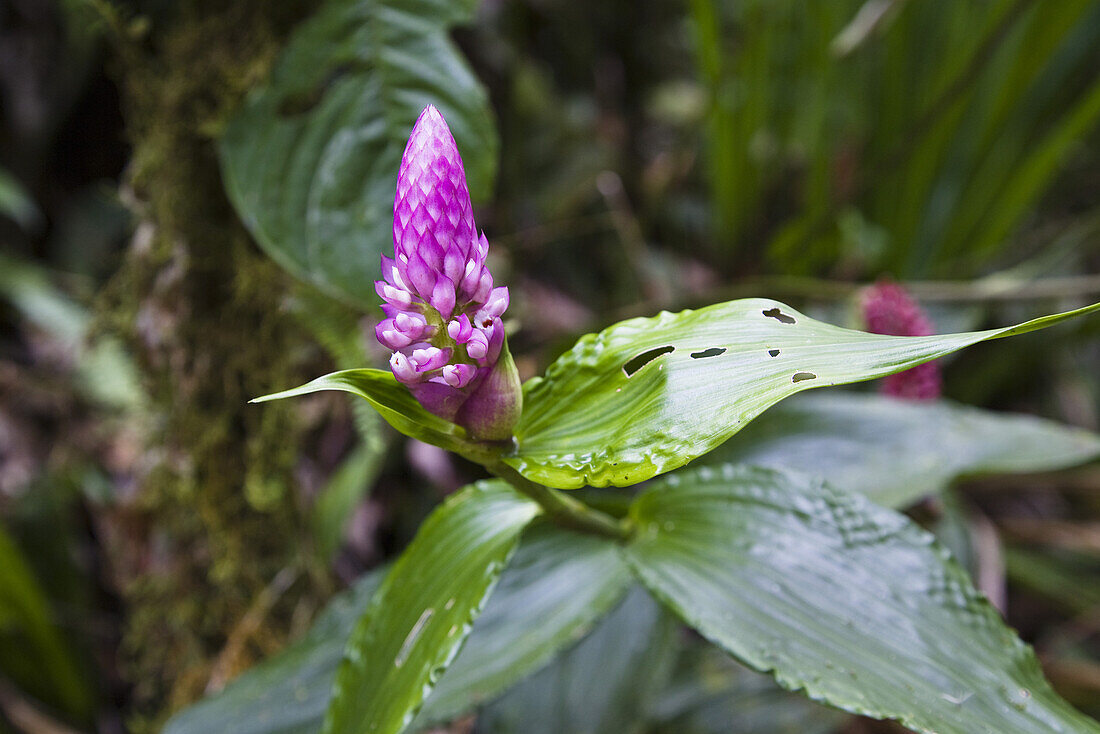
{"points": [[895, 451], [419, 618], [835, 596], [309, 160], [648, 395]]}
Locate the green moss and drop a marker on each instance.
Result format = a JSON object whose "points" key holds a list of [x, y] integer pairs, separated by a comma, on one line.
{"points": [[203, 311]]}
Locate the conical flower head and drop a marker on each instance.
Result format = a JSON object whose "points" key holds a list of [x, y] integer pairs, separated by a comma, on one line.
{"points": [[443, 313]]}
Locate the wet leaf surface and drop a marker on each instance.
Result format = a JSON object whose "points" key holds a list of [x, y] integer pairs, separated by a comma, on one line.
{"points": [[847, 601], [635, 401], [603, 685], [896, 452], [554, 589], [424, 610], [553, 592], [710, 693]]}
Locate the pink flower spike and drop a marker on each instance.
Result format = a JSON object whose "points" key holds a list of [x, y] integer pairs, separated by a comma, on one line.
{"points": [[431, 186], [437, 278]]}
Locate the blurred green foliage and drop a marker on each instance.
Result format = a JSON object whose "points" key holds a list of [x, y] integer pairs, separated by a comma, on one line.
{"points": [[919, 134], [34, 653]]}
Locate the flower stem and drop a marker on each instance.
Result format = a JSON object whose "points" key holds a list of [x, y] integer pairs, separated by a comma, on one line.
{"points": [[563, 509]]}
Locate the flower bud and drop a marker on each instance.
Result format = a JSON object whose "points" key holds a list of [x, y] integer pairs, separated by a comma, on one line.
{"points": [[443, 311]]}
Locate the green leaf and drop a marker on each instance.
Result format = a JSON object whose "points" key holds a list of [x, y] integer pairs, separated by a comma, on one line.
{"points": [[895, 451], [30, 643], [391, 399], [311, 158], [604, 685], [554, 589], [425, 608], [849, 602], [712, 694], [648, 395]]}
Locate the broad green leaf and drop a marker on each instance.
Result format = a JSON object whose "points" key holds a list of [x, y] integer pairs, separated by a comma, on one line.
{"points": [[648, 395], [554, 589], [895, 451], [604, 685], [391, 399], [31, 642], [310, 159], [710, 693], [420, 616], [835, 596]]}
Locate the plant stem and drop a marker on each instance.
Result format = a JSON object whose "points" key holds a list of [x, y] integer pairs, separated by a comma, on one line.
{"points": [[562, 509]]}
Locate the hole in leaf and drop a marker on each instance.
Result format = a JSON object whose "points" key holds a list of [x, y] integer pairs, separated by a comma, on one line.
{"points": [[800, 376], [645, 358], [712, 352], [773, 352], [775, 313]]}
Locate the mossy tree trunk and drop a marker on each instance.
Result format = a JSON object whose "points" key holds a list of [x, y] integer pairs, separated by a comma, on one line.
{"points": [[217, 572]]}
